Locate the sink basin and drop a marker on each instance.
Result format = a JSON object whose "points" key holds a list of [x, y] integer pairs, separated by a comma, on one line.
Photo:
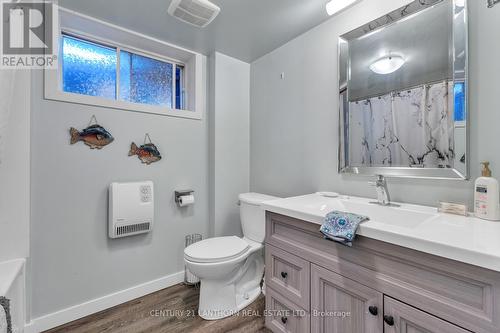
{"points": [[395, 216], [315, 207]]}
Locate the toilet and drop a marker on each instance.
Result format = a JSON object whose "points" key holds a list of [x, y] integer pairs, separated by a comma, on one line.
{"points": [[230, 268]]}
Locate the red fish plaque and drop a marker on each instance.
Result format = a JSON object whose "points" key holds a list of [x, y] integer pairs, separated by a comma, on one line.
{"points": [[95, 136], [148, 153]]}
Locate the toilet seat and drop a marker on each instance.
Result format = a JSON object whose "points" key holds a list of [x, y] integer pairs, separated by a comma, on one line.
{"points": [[217, 249]]}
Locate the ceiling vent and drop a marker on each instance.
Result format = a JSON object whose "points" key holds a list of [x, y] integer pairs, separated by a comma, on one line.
{"points": [[195, 12]]}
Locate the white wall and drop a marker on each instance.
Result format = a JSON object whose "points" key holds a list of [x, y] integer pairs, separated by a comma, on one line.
{"points": [[15, 167], [73, 260], [229, 141], [294, 121]]}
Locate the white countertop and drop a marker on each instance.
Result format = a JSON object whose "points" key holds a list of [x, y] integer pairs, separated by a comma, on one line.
{"points": [[466, 239]]}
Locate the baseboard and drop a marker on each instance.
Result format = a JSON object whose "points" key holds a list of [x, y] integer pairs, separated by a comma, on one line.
{"points": [[67, 315]]}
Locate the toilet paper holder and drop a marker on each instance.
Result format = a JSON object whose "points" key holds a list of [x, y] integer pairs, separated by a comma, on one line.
{"points": [[179, 194]]}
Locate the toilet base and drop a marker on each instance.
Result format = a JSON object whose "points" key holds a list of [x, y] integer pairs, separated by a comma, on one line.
{"points": [[224, 304], [221, 299]]}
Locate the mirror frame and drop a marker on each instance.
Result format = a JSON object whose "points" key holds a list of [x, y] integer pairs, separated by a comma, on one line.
{"points": [[413, 8]]}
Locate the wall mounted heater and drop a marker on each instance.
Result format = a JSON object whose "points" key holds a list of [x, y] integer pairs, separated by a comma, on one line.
{"points": [[195, 12], [131, 209]]}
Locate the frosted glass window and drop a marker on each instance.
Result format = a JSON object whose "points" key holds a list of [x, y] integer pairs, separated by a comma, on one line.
{"points": [[179, 84], [88, 68], [145, 80]]}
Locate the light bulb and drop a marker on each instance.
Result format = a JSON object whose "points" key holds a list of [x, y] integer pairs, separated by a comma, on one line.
{"points": [[388, 64]]}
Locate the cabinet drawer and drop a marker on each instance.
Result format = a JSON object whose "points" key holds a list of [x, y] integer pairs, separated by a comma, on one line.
{"points": [[289, 275], [400, 317], [284, 316]]}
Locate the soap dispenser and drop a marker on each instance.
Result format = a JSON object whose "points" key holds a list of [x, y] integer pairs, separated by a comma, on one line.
{"points": [[486, 196]]}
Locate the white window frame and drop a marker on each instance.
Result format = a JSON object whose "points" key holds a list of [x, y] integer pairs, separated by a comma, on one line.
{"points": [[100, 32]]}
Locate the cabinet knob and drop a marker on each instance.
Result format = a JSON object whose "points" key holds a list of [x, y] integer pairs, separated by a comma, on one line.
{"points": [[284, 320], [373, 310], [284, 275], [389, 320]]}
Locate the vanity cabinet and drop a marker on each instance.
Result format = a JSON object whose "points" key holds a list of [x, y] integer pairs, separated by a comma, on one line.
{"points": [[372, 287]]}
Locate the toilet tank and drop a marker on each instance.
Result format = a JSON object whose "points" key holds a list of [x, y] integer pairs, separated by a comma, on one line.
{"points": [[253, 219]]}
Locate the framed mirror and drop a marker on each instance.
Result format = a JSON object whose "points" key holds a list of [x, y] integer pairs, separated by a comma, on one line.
{"points": [[403, 93]]}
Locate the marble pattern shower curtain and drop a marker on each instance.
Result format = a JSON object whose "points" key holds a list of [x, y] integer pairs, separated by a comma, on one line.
{"points": [[411, 128]]}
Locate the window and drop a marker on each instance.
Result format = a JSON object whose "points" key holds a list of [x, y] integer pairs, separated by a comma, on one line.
{"points": [[93, 69], [145, 80], [179, 82], [88, 68], [459, 95], [105, 65]]}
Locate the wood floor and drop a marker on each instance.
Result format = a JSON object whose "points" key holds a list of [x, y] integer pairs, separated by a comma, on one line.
{"points": [[169, 310]]}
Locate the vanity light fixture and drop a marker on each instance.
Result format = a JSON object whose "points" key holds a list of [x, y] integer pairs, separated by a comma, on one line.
{"points": [[335, 6], [388, 64]]}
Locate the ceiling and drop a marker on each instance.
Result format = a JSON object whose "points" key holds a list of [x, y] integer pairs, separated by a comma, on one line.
{"points": [[245, 29]]}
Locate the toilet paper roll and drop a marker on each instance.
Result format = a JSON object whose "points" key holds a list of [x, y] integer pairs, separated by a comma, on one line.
{"points": [[186, 200]]}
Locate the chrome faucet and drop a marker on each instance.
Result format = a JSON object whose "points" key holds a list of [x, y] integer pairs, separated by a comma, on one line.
{"points": [[383, 197]]}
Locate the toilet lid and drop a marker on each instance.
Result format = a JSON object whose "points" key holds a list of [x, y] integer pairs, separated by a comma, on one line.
{"points": [[216, 249]]}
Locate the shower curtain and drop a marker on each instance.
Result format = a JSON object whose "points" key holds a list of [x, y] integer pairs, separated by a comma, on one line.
{"points": [[413, 128], [7, 83]]}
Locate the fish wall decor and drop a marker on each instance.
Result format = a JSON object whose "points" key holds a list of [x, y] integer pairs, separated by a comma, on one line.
{"points": [[95, 136], [148, 153]]}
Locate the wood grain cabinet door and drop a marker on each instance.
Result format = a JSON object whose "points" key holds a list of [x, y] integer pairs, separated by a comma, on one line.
{"points": [[402, 318], [341, 305]]}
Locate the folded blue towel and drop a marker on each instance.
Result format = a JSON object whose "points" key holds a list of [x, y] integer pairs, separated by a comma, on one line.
{"points": [[341, 227]]}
